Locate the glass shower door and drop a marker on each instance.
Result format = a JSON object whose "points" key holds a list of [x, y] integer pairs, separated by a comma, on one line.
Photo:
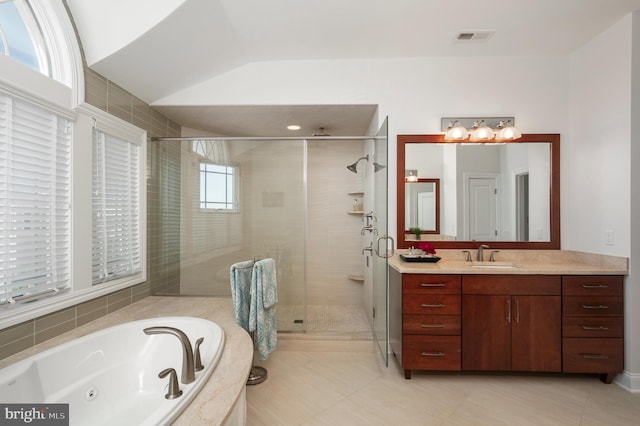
{"points": [[382, 243]]}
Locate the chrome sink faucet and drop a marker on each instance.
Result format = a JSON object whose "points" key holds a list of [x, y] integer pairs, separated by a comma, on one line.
{"points": [[481, 252], [188, 366]]}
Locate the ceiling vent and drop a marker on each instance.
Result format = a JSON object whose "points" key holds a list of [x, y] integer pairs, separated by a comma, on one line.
{"points": [[475, 35]]}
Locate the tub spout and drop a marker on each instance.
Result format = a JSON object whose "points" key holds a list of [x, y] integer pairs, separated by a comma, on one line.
{"points": [[188, 368]]}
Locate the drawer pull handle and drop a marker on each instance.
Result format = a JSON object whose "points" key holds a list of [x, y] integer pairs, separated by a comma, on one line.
{"points": [[590, 327], [595, 286], [433, 354], [594, 356], [433, 285], [595, 307], [425, 305], [432, 325]]}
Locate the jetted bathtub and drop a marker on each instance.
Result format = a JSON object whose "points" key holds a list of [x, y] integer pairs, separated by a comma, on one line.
{"points": [[110, 377]]}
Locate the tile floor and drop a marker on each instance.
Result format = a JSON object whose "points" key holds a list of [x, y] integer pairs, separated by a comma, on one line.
{"points": [[344, 382]]}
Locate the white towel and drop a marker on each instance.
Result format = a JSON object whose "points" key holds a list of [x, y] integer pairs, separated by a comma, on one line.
{"points": [[241, 291], [262, 313]]}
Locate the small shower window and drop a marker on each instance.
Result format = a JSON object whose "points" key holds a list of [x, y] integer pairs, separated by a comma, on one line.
{"points": [[219, 187]]}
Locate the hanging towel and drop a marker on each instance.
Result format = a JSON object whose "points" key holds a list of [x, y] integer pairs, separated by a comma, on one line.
{"points": [[262, 314], [241, 291]]}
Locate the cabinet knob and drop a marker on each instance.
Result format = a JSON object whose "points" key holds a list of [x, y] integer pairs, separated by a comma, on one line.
{"points": [[426, 305], [590, 327], [432, 325], [433, 285], [433, 354], [595, 286]]}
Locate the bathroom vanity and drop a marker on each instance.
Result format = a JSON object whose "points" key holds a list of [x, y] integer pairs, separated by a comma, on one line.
{"points": [[543, 311]]}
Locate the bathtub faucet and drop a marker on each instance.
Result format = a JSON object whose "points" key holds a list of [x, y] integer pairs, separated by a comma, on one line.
{"points": [[188, 367]]}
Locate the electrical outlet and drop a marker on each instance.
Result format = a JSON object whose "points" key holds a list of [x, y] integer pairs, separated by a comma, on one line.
{"points": [[608, 237]]}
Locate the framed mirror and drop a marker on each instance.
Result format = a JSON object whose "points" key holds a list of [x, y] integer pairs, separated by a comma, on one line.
{"points": [[422, 205], [506, 195]]}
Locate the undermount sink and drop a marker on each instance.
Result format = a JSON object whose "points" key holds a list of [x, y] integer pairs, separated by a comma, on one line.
{"points": [[495, 265]]}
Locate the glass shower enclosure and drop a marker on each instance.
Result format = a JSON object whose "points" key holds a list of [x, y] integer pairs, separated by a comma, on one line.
{"points": [[216, 202]]}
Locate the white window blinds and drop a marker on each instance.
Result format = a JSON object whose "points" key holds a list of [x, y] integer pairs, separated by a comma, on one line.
{"points": [[35, 247], [117, 232]]}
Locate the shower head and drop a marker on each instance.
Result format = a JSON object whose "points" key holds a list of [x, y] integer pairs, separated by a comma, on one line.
{"points": [[354, 167], [321, 132], [377, 167]]}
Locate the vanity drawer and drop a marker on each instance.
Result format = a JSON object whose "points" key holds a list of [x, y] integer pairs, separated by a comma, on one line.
{"points": [[431, 352], [512, 285], [592, 285], [431, 324], [592, 305], [432, 304], [592, 355], [431, 284], [582, 326]]}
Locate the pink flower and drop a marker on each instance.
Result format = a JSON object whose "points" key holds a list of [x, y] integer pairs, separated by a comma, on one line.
{"points": [[427, 247]]}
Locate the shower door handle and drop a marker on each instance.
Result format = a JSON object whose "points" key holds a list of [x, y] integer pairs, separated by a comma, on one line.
{"points": [[386, 254]]}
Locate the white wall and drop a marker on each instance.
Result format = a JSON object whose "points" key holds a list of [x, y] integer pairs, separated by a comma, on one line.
{"points": [[598, 166]]}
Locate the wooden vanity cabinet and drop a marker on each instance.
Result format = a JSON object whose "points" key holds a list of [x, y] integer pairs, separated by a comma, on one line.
{"points": [[511, 322], [495, 322], [428, 337], [593, 325]]}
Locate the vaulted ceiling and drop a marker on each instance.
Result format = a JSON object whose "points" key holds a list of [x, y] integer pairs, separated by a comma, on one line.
{"points": [[154, 48]]}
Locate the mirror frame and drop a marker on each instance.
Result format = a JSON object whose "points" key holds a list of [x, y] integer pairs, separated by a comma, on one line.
{"points": [[554, 215], [436, 183]]}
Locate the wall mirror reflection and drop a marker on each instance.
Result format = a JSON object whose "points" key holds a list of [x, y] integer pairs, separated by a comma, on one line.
{"points": [[422, 205], [504, 194]]}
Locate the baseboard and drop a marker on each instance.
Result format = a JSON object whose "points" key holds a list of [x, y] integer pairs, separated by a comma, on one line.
{"points": [[628, 381]]}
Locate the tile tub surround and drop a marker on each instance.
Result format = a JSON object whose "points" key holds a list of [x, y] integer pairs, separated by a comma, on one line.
{"points": [[228, 380], [552, 262]]}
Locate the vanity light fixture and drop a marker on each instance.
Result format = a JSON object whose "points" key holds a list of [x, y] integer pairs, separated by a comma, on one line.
{"points": [[481, 129], [507, 131], [293, 127], [456, 132], [480, 132], [410, 175]]}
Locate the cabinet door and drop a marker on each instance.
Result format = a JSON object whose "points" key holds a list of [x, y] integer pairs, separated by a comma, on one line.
{"points": [[486, 342], [536, 340]]}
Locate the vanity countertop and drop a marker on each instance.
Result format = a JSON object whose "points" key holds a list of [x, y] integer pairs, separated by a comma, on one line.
{"points": [[536, 262], [217, 397]]}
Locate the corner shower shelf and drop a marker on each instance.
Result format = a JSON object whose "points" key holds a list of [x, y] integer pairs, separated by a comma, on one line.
{"points": [[355, 212], [360, 193], [359, 278]]}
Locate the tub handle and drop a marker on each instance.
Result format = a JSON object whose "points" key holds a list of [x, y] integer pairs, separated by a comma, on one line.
{"points": [[174, 389], [196, 354]]}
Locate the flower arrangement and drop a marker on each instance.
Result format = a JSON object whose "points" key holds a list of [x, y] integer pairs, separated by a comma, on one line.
{"points": [[427, 247]]}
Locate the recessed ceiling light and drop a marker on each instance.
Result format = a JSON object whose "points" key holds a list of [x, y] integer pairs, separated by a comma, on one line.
{"points": [[293, 127]]}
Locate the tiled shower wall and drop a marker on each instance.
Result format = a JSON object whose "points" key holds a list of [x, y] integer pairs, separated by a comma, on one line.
{"points": [[163, 242]]}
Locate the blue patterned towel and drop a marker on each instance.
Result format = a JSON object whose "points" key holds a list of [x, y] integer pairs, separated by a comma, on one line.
{"points": [[241, 291], [262, 313]]}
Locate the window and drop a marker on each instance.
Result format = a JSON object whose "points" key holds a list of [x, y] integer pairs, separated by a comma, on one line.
{"points": [[218, 187], [117, 249], [35, 218], [20, 36]]}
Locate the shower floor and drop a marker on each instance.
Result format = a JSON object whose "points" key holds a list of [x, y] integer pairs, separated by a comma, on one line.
{"points": [[324, 321]]}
